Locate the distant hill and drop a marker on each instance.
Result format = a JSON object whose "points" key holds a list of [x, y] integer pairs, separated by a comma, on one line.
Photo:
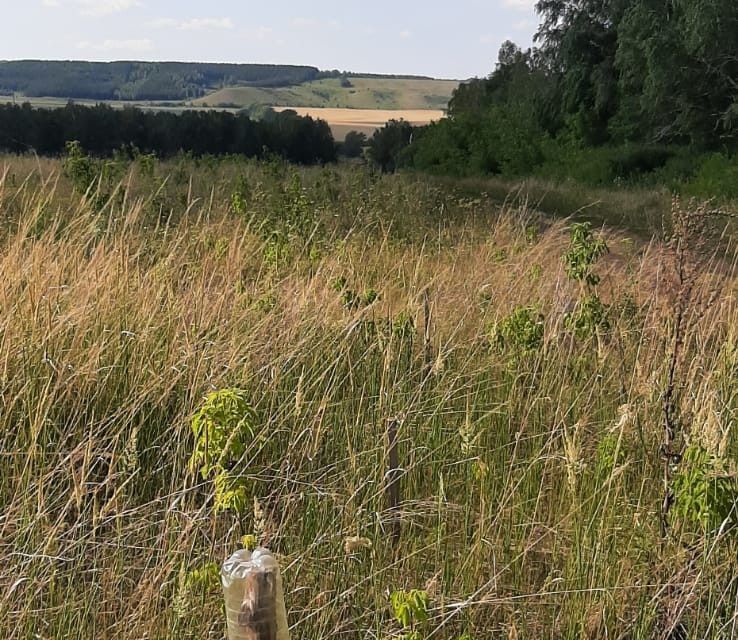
{"points": [[347, 92], [141, 80], [186, 81]]}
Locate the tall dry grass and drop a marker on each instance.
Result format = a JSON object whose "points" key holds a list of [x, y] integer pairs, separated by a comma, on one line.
{"points": [[531, 482]]}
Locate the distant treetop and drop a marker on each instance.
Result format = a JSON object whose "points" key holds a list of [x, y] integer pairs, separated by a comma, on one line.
{"points": [[126, 80], [140, 80]]}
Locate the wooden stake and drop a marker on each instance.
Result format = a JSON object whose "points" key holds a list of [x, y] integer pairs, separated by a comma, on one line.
{"points": [[393, 480], [427, 346], [258, 617]]}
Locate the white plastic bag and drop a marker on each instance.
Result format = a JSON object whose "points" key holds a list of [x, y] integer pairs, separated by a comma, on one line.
{"points": [[254, 596]]}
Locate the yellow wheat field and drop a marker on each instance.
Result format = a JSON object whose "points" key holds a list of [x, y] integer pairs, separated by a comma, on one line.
{"points": [[365, 120]]}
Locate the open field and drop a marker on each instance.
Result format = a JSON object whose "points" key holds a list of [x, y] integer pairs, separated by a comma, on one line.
{"points": [[341, 120], [341, 303], [55, 103], [365, 93], [365, 120], [365, 107]]}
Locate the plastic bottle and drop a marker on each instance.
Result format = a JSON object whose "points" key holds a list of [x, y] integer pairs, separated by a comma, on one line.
{"points": [[254, 596]]}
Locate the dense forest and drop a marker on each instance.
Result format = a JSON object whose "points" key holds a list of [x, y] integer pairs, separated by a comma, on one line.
{"points": [[140, 80], [150, 80], [102, 130], [614, 90]]}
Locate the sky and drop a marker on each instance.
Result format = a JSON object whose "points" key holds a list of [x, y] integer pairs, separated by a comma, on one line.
{"points": [[444, 39]]}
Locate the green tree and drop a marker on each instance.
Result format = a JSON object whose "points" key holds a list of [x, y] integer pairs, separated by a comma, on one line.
{"points": [[578, 43], [388, 143], [353, 145], [678, 72], [495, 124]]}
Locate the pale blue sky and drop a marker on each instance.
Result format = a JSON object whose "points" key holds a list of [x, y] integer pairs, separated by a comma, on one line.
{"points": [[454, 39]]}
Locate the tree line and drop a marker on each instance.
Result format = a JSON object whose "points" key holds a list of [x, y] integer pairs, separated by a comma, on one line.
{"points": [[102, 130], [612, 89], [140, 80], [155, 81]]}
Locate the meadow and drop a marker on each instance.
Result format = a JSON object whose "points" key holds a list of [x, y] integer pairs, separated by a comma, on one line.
{"points": [[367, 105], [175, 106], [450, 414], [355, 93]]}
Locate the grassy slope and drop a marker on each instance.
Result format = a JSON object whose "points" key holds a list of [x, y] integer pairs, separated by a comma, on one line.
{"points": [[373, 94], [531, 481], [366, 93]]}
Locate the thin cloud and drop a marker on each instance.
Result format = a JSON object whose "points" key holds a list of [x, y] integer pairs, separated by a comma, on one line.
{"points": [[304, 22], [263, 34], [94, 7], [197, 24], [312, 23], [193, 24], [520, 5], [131, 46], [163, 23], [406, 34], [106, 7]]}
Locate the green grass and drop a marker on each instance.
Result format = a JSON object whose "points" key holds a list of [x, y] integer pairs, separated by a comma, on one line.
{"points": [[366, 93], [531, 478], [638, 210], [56, 103]]}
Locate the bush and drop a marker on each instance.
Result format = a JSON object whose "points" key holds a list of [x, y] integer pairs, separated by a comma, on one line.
{"points": [[607, 165], [635, 160], [353, 145], [716, 176], [388, 143], [521, 331]]}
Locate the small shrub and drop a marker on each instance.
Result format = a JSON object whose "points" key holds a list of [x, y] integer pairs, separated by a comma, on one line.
{"points": [[79, 167], [240, 197], [636, 160], [609, 454], [522, 330], [206, 578], [584, 251], [147, 164], [716, 177], [704, 495], [351, 299], [223, 429], [588, 318], [403, 326], [410, 609]]}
